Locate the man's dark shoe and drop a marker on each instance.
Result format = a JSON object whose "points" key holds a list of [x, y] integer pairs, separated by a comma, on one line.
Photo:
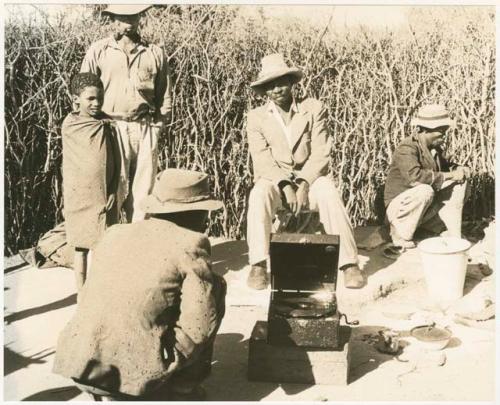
{"points": [[257, 279], [353, 277]]}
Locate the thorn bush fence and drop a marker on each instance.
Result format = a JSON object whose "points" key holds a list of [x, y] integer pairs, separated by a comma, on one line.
{"points": [[372, 83]]}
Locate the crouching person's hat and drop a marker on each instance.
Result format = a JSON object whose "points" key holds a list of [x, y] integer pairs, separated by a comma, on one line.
{"points": [[177, 190], [432, 116], [126, 9]]}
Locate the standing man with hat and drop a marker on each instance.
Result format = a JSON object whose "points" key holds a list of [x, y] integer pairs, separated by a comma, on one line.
{"points": [[149, 312], [137, 94], [290, 148], [423, 188]]}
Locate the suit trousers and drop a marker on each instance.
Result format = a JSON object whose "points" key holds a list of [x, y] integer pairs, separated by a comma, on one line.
{"points": [[265, 201], [138, 145], [423, 206]]}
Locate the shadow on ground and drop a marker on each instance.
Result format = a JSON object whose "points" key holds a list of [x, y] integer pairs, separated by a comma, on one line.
{"points": [[55, 394], [473, 278], [14, 267], [14, 361], [230, 371], [371, 241], [17, 316], [365, 358], [376, 261], [230, 368], [230, 255]]}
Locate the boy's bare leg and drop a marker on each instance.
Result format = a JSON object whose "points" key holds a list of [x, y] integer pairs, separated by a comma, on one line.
{"points": [[80, 267]]}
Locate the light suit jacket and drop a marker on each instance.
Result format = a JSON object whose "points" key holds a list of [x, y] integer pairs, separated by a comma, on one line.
{"points": [[271, 154]]}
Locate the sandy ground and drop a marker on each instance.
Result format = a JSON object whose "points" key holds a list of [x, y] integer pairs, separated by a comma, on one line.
{"points": [[38, 303]]}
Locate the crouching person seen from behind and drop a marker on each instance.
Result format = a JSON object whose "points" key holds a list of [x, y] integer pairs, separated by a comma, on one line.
{"points": [[148, 315], [423, 188]]}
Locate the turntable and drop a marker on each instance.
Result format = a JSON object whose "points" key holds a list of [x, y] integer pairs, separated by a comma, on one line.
{"points": [[303, 306]]}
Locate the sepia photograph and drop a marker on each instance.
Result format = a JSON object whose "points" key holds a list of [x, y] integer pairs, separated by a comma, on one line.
{"points": [[249, 202]]}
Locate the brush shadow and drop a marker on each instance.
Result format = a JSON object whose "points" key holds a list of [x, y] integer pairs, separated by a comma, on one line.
{"points": [[14, 361], [55, 394], [17, 316]]}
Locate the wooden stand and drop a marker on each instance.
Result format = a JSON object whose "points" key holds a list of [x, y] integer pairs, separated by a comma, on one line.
{"points": [[293, 364]]}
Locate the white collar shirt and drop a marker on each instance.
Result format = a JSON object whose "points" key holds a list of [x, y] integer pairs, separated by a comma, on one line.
{"points": [[273, 110]]}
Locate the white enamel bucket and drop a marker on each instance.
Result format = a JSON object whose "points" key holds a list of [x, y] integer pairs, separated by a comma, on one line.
{"points": [[444, 262]]}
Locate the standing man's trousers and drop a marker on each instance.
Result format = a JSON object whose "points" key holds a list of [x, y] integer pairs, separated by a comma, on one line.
{"points": [[138, 144], [423, 206], [265, 201]]}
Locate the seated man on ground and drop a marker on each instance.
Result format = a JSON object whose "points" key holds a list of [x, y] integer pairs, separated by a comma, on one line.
{"points": [[423, 188], [290, 148], [149, 312]]}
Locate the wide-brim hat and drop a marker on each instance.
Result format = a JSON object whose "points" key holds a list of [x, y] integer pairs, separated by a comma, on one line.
{"points": [[432, 116], [273, 67], [126, 9], [177, 190]]}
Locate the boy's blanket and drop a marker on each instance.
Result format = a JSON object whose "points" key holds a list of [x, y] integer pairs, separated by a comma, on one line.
{"points": [[90, 174]]}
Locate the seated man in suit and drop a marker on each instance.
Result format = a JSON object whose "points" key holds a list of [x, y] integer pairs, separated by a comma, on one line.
{"points": [[290, 149], [423, 188], [148, 315]]}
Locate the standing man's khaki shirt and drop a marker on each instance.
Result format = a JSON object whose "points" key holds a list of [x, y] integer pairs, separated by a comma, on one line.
{"points": [[144, 78]]}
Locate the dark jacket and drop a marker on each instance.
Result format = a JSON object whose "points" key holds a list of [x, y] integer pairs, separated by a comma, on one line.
{"points": [[150, 287], [413, 164]]}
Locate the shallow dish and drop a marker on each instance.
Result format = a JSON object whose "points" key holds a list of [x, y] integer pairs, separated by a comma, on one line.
{"points": [[431, 337]]}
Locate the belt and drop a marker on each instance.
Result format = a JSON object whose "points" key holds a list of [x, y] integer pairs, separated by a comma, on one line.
{"points": [[130, 117]]}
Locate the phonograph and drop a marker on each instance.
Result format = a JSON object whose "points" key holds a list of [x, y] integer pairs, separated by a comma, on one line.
{"points": [[303, 306], [302, 341]]}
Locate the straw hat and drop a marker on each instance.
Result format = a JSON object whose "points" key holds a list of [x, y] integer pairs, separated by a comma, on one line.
{"points": [[126, 9], [177, 190], [432, 116], [274, 66]]}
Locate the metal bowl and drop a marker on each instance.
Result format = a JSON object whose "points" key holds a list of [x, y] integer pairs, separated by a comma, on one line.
{"points": [[431, 337]]}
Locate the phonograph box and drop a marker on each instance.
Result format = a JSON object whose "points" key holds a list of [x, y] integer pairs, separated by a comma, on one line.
{"points": [[303, 306]]}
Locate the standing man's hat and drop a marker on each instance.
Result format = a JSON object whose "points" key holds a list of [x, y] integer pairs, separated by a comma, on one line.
{"points": [[432, 116], [177, 190], [126, 9], [274, 66]]}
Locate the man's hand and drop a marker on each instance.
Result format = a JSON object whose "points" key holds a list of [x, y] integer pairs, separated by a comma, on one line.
{"points": [[302, 197], [458, 174], [173, 358], [165, 119], [139, 113], [466, 170], [111, 201], [290, 197]]}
